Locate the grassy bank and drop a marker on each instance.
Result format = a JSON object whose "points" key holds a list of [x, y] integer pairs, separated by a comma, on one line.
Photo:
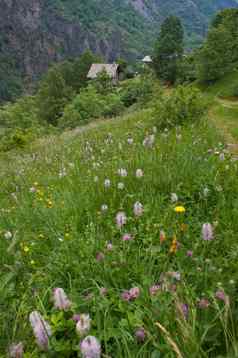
{"points": [[58, 229]]}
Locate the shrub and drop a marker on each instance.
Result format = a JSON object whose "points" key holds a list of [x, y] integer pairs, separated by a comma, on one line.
{"points": [[20, 124], [16, 139], [88, 105], [139, 89], [21, 114], [234, 90], [183, 105], [112, 105]]}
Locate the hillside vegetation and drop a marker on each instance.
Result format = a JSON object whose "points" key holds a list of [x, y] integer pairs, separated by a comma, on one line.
{"points": [[37, 33], [118, 217], [118, 220]]}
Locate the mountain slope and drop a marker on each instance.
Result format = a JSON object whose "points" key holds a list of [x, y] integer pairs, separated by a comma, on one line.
{"points": [[34, 33]]}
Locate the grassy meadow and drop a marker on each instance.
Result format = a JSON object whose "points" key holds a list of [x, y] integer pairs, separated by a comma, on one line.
{"points": [[114, 216]]}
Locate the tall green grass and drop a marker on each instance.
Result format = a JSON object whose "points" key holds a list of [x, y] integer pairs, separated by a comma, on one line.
{"points": [[51, 202]]}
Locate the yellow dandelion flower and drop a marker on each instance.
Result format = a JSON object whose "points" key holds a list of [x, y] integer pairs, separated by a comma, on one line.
{"points": [[179, 209], [49, 204], [26, 249]]}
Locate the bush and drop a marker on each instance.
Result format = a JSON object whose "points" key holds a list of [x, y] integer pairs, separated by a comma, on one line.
{"points": [[20, 124], [234, 90], [16, 139], [139, 89], [88, 105], [21, 114], [183, 105]]}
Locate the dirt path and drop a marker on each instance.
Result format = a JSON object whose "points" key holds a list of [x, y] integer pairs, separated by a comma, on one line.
{"points": [[224, 124]]}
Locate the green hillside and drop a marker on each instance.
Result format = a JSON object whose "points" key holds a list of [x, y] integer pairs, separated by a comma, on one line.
{"points": [[224, 111], [225, 87], [113, 214]]}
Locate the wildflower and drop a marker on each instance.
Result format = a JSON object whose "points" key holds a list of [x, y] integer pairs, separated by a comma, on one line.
{"points": [[127, 237], [8, 235], [32, 189], [220, 295], [203, 303], [175, 274], [174, 197], [138, 209], [49, 204], [206, 192], [222, 156], [103, 291], [184, 309], [62, 173], [83, 325], [41, 329], [139, 173], [189, 253], [162, 236], [104, 208], [125, 296], [149, 141], [154, 289], [130, 295], [100, 256], [122, 172], [16, 350], [76, 317], [61, 300], [109, 246], [130, 140], [121, 219], [26, 249], [180, 209], [90, 347], [140, 335], [107, 183], [174, 245], [207, 232], [120, 186], [134, 293]]}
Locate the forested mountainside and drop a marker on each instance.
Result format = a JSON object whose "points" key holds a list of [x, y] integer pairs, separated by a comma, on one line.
{"points": [[35, 33]]}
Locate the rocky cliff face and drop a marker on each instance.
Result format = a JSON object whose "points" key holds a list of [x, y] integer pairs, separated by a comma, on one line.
{"points": [[36, 33]]}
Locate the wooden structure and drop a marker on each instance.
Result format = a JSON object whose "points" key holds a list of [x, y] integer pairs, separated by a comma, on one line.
{"points": [[112, 70]]}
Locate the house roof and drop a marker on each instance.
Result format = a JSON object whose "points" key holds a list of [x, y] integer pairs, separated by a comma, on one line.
{"points": [[96, 68], [147, 59]]}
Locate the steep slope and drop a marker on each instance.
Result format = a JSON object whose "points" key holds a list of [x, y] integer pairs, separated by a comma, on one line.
{"points": [[34, 33]]}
